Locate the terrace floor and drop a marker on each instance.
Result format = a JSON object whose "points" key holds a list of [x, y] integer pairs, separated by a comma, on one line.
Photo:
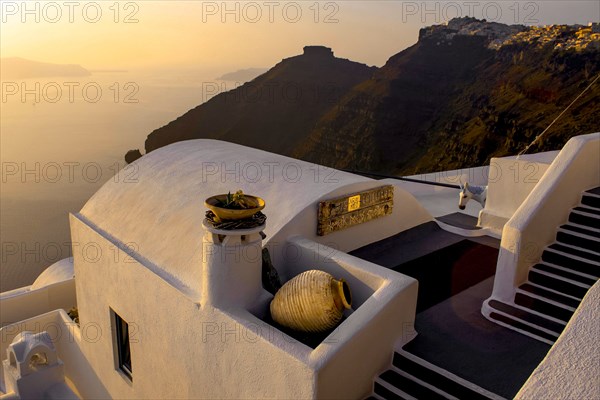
{"points": [[456, 275], [455, 336]]}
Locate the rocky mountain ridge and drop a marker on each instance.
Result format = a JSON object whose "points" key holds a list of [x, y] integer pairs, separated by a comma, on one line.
{"points": [[465, 92], [273, 112]]}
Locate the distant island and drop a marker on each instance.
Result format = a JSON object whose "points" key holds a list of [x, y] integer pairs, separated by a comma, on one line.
{"points": [[243, 75], [108, 71], [21, 68], [467, 91]]}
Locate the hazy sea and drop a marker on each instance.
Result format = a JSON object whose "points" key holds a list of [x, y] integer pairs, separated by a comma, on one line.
{"points": [[60, 140]]}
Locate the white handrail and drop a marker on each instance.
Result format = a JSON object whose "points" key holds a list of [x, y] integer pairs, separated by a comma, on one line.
{"points": [[533, 226]]}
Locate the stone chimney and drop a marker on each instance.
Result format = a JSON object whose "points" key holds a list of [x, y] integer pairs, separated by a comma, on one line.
{"points": [[32, 366], [232, 267]]}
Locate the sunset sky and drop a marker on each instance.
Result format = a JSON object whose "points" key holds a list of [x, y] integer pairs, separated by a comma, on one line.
{"points": [[197, 34]]}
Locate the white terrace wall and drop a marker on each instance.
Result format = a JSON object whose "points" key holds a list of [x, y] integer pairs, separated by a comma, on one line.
{"points": [[19, 304], [385, 304], [570, 369], [509, 183], [407, 213], [534, 224], [67, 337], [475, 176], [53, 289]]}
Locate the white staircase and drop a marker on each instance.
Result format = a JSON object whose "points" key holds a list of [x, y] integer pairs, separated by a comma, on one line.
{"points": [[543, 305]]}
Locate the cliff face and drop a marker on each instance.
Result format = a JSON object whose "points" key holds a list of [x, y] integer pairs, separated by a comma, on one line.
{"points": [[273, 112], [383, 123], [517, 94], [466, 92], [455, 100]]}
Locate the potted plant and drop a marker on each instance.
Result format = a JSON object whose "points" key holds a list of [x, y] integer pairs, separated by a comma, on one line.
{"points": [[231, 207]]}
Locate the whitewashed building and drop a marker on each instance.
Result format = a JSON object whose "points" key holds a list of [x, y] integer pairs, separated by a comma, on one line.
{"points": [[169, 307]]}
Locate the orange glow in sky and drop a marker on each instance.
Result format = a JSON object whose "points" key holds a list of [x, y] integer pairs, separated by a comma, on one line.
{"points": [[240, 34]]}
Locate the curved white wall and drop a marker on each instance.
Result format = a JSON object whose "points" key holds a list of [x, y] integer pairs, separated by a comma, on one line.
{"points": [[407, 213], [534, 224], [54, 289], [571, 368], [475, 176], [510, 182]]}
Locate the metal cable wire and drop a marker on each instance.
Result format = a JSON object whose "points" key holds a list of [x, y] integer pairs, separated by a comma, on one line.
{"points": [[556, 119]]}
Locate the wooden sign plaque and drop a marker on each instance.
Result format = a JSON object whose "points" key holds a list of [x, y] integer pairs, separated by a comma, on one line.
{"points": [[354, 209]]}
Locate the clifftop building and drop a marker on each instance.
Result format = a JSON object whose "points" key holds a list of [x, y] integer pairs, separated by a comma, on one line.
{"points": [[497, 35]]}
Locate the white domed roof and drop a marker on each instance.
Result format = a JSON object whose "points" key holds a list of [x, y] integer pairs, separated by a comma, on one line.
{"points": [[156, 204], [58, 272]]}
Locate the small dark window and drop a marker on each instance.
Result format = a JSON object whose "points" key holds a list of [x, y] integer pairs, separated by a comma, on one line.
{"points": [[123, 348]]}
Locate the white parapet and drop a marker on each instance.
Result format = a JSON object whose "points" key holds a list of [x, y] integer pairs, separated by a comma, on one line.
{"points": [[571, 368], [53, 289], [510, 181], [533, 226], [384, 304], [66, 337]]}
